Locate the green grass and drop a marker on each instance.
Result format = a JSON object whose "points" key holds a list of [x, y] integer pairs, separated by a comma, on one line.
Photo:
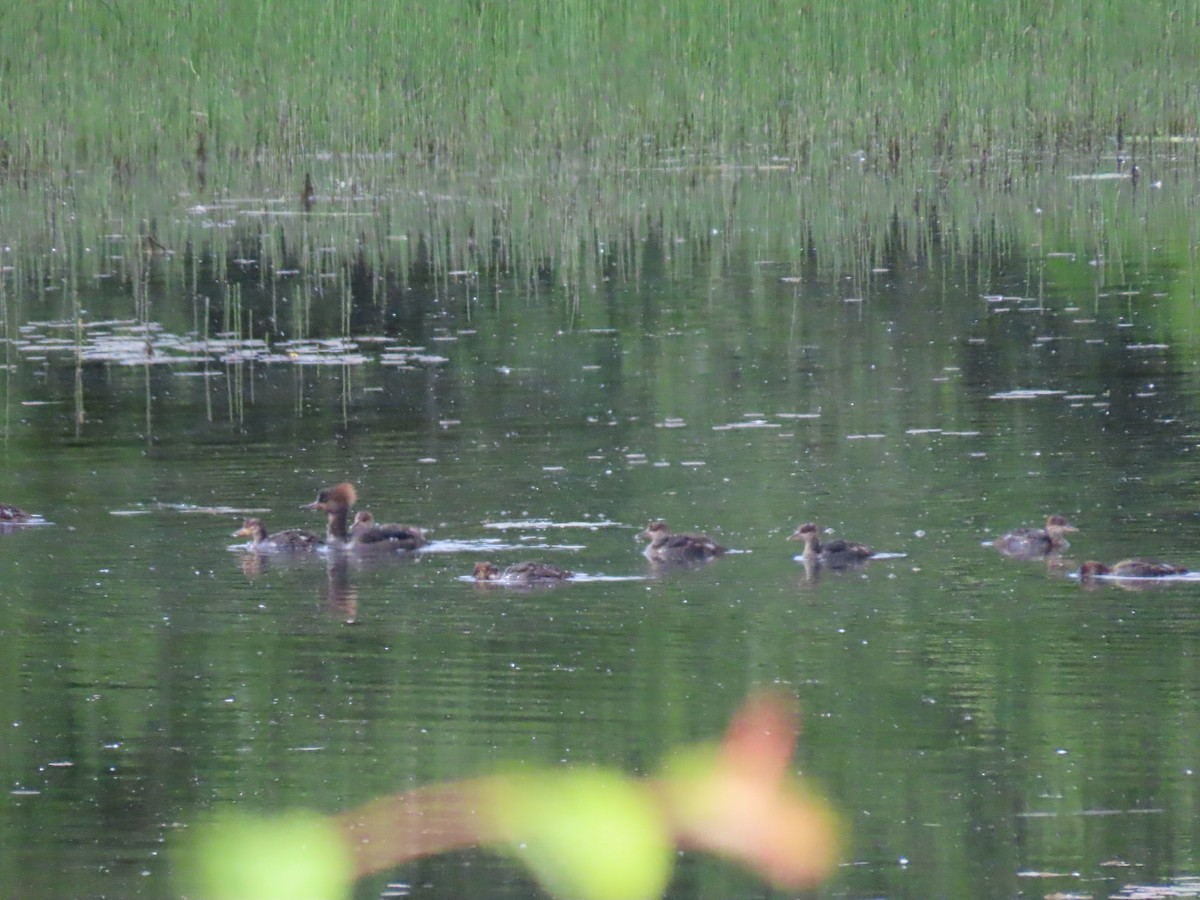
{"points": [[479, 84], [544, 138]]}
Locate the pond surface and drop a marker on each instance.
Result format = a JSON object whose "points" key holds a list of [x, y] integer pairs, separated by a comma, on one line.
{"points": [[985, 726]]}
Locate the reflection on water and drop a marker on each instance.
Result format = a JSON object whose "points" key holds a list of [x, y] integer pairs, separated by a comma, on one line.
{"points": [[979, 720]]}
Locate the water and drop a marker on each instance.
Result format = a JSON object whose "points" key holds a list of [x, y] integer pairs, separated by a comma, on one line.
{"points": [[985, 726]]}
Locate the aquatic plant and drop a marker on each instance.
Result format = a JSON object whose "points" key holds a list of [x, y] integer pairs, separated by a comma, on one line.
{"points": [[540, 141]]}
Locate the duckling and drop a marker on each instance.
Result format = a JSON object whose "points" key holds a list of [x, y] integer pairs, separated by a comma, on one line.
{"points": [[523, 571], [366, 535], [1130, 568], [289, 540], [1026, 543], [667, 547], [12, 515], [836, 554]]}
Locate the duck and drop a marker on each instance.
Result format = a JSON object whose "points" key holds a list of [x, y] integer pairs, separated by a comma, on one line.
{"points": [[1130, 568], [667, 547], [1034, 542], [288, 540], [523, 571], [837, 553], [366, 535], [335, 502], [12, 515]]}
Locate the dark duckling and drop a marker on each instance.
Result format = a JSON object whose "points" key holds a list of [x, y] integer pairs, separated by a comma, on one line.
{"points": [[366, 535], [837, 553], [1130, 568], [1033, 542], [290, 540], [667, 547], [522, 571], [13, 515]]}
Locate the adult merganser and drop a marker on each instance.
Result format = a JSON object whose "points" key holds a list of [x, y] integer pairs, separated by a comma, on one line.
{"points": [[335, 502]]}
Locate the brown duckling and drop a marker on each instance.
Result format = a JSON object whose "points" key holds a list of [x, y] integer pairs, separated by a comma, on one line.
{"points": [[13, 515], [837, 553], [366, 535], [1130, 568], [522, 571], [667, 547], [290, 540], [1033, 542]]}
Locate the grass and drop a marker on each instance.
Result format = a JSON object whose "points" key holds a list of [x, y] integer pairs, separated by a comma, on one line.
{"points": [[482, 85], [544, 138]]}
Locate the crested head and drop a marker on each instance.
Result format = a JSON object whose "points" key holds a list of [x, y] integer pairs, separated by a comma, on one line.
{"points": [[340, 495], [343, 493], [485, 571]]}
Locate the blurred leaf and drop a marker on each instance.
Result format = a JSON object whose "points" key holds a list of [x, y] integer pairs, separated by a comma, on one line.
{"points": [[588, 835], [738, 799], [299, 855]]}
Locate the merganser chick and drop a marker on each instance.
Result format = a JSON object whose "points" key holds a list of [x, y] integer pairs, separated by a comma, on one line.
{"points": [[522, 571], [835, 554], [1130, 568], [667, 547], [1034, 542], [12, 515], [366, 535], [335, 502], [289, 540]]}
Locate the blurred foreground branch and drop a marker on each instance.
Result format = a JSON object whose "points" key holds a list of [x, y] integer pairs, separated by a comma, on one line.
{"points": [[587, 833]]}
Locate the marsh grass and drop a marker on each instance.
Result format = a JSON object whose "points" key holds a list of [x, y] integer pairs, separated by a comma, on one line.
{"points": [[473, 86], [547, 141]]}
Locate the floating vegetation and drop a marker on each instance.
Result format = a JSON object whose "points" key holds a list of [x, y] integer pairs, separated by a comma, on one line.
{"points": [[129, 343], [1184, 886], [1026, 394], [192, 509], [753, 423]]}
